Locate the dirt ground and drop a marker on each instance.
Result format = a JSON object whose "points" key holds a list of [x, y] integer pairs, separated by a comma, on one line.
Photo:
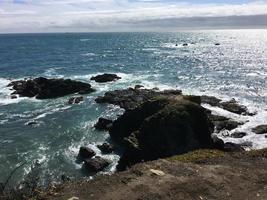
{"points": [[238, 176]]}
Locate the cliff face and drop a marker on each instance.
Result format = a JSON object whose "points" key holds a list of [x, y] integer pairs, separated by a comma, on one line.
{"points": [[202, 174]]}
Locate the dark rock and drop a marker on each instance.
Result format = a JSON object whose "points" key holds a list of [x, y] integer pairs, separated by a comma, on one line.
{"points": [[105, 78], [65, 178], [226, 125], [262, 129], [106, 148], [223, 123], [217, 44], [213, 101], [238, 134], [231, 147], [96, 164], [31, 123], [103, 124], [185, 44], [130, 98], [13, 97], [85, 153], [75, 100], [136, 87], [43, 88], [160, 128], [217, 143], [234, 107]]}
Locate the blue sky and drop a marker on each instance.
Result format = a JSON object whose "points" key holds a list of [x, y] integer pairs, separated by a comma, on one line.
{"points": [[129, 15]]}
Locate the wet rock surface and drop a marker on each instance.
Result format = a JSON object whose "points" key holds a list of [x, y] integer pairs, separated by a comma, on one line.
{"points": [[105, 78], [106, 148], [262, 129], [238, 134], [85, 153], [96, 164], [75, 100], [43, 88], [103, 124]]}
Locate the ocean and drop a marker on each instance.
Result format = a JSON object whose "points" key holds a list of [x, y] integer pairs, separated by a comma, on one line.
{"points": [[237, 68]]}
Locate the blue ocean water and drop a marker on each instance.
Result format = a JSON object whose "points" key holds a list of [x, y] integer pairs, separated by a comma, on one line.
{"points": [[237, 68]]}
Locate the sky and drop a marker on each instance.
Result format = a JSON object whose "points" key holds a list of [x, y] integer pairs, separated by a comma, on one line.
{"points": [[129, 15]]}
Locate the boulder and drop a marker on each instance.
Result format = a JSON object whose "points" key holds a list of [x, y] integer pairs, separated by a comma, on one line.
{"points": [[223, 123], [96, 164], [217, 44], [103, 124], [106, 148], [130, 98], [185, 45], [262, 129], [232, 147], [105, 78], [75, 100], [43, 88], [238, 134], [161, 128], [13, 97], [234, 107], [85, 153]]}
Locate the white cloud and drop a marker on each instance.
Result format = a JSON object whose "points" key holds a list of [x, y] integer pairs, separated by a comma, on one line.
{"points": [[95, 15]]}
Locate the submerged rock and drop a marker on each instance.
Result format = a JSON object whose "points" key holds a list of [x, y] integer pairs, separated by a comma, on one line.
{"points": [[130, 98], [105, 78], [96, 164], [262, 129], [106, 148], [43, 88], [75, 100], [85, 153], [161, 128], [103, 124]]}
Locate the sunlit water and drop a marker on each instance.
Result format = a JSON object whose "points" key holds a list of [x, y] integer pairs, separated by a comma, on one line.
{"points": [[235, 69]]}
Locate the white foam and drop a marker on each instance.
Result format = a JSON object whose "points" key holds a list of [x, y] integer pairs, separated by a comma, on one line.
{"points": [[89, 54]]}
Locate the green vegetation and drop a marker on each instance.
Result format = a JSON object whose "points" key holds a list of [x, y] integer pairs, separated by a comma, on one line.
{"points": [[198, 155]]}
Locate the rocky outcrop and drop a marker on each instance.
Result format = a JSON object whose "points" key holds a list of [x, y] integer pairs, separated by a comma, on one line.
{"points": [[262, 129], [85, 153], [96, 164], [75, 100], [105, 78], [43, 88], [231, 106], [238, 134], [160, 128], [130, 98], [106, 148], [103, 124]]}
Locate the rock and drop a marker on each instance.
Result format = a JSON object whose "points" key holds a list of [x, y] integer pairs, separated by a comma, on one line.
{"points": [[223, 123], [161, 128], [105, 78], [157, 172], [86, 153], [217, 44], [262, 129], [217, 143], [226, 125], [234, 107], [43, 88], [136, 87], [106, 148], [75, 100], [103, 124], [130, 98], [31, 123], [65, 178], [73, 198], [213, 101], [185, 44], [13, 97], [238, 134], [96, 164], [232, 147]]}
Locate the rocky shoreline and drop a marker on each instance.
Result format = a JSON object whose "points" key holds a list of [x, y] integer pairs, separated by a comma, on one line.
{"points": [[155, 125]]}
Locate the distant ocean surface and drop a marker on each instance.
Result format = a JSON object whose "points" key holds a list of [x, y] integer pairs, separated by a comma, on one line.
{"points": [[237, 68]]}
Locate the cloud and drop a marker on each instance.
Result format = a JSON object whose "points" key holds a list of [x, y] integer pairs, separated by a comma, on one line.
{"points": [[125, 15]]}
